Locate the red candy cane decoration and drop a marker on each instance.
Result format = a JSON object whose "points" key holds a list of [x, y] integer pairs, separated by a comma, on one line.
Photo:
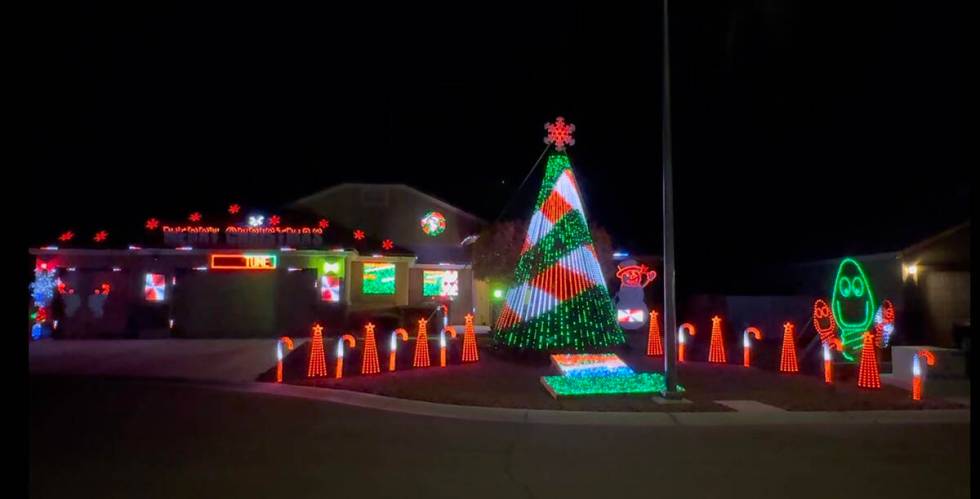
{"points": [[828, 366], [285, 340], [750, 332], [682, 339], [917, 371], [349, 339], [442, 343], [393, 346]]}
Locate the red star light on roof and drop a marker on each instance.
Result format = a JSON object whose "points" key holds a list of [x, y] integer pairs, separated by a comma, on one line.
{"points": [[66, 236], [324, 223], [152, 223], [233, 209], [559, 134], [274, 220], [387, 244], [100, 236], [358, 234], [195, 217]]}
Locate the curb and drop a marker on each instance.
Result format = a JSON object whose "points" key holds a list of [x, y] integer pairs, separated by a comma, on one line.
{"points": [[539, 416]]}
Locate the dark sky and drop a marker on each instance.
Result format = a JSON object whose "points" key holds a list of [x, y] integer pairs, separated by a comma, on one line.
{"points": [[801, 129]]}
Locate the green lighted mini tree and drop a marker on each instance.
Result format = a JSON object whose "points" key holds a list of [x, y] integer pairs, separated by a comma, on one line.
{"points": [[558, 301]]}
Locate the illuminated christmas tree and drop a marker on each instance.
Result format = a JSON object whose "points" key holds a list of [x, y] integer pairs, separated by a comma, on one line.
{"points": [[369, 354], [787, 360], [559, 301], [655, 346], [318, 362], [868, 376], [470, 354], [716, 351], [422, 358]]}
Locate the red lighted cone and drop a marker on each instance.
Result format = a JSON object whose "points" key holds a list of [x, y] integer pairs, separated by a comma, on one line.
{"points": [[787, 360], [868, 376], [716, 350], [369, 355], [655, 346], [469, 341], [318, 363], [421, 347]]}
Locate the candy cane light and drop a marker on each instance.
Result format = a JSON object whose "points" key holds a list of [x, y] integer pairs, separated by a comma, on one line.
{"points": [[285, 340], [682, 339], [349, 339], [917, 371], [393, 346], [442, 343], [828, 358], [750, 332]]}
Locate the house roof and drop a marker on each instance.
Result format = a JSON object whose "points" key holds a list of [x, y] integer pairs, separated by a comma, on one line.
{"points": [[402, 187]]}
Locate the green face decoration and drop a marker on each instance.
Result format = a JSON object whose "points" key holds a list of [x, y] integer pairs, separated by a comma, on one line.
{"points": [[853, 304]]}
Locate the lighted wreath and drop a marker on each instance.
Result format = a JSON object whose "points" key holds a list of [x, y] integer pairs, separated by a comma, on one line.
{"points": [[433, 223]]}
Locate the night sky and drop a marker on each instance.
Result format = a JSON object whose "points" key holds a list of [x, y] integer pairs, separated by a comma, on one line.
{"points": [[802, 129]]}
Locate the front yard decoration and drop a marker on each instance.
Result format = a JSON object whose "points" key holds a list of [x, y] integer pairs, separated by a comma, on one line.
{"points": [[853, 305], [369, 353], [655, 346], [682, 331], [631, 310], [828, 358], [442, 343], [351, 342], [750, 332], [470, 353], [285, 340], [716, 350], [868, 375], [917, 371], [317, 366], [598, 374], [421, 358], [393, 346], [787, 358]]}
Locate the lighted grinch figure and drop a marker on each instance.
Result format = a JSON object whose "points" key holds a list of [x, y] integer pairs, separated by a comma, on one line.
{"points": [[559, 301], [631, 310], [853, 306]]}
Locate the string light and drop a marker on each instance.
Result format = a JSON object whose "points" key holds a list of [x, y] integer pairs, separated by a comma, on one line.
{"points": [[559, 134], [100, 236], [285, 340], [442, 343], [787, 358], [682, 331], [470, 353], [369, 354], [66, 236], [884, 324], [560, 301], [317, 366], [917, 371], [716, 350], [823, 320], [655, 347], [749, 333], [421, 347], [349, 339], [234, 208], [195, 217], [852, 287], [433, 223], [598, 374], [393, 346], [358, 234], [152, 224], [868, 376]]}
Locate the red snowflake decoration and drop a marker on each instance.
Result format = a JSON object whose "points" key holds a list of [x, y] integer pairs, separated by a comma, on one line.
{"points": [[274, 220], [358, 234], [100, 236], [559, 134], [387, 244], [66, 236], [233, 209], [152, 224], [324, 223], [195, 217]]}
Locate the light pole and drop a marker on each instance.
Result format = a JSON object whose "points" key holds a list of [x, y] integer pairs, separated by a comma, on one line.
{"points": [[670, 308]]}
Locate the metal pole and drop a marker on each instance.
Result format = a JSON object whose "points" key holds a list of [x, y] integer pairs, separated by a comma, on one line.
{"points": [[670, 312]]}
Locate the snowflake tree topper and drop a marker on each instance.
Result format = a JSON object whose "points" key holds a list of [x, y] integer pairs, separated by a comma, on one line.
{"points": [[559, 134]]}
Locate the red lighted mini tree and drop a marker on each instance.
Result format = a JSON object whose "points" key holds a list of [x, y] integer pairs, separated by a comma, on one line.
{"points": [[369, 354], [868, 376], [421, 347], [470, 353], [787, 360], [317, 366], [716, 351], [655, 346]]}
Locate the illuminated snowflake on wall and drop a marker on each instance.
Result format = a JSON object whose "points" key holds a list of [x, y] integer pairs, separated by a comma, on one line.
{"points": [[358, 234], [324, 223], [66, 236], [233, 209], [152, 224], [195, 217], [387, 244], [274, 220], [100, 236], [559, 134], [433, 223]]}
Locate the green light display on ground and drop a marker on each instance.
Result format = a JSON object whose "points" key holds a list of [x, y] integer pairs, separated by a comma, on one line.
{"points": [[572, 386], [379, 279]]}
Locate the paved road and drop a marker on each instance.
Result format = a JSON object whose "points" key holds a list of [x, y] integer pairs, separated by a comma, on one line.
{"points": [[107, 438]]}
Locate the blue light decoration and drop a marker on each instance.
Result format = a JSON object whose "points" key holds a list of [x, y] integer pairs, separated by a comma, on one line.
{"points": [[42, 293]]}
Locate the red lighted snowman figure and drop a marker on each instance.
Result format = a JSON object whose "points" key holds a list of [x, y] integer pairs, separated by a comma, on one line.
{"points": [[631, 310]]}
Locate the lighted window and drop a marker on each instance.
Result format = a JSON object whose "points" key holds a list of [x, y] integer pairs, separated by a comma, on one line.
{"points": [[155, 287], [330, 288], [379, 279], [440, 283]]}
